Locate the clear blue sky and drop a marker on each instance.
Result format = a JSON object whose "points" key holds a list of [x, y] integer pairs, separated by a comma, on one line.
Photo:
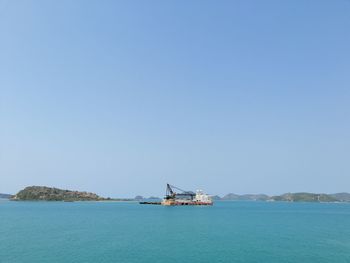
{"points": [[121, 97]]}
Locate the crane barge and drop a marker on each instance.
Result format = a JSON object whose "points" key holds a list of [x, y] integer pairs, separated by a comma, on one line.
{"points": [[175, 196]]}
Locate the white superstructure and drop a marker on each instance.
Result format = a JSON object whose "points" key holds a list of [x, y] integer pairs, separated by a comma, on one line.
{"points": [[202, 197]]}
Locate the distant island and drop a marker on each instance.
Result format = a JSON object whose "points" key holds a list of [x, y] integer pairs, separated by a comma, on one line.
{"points": [[43, 193], [305, 197], [288, 197], [5, 196]]}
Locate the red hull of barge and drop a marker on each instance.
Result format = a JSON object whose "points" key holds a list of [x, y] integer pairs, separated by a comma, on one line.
{"points": [[192, 203], [176, 203]]}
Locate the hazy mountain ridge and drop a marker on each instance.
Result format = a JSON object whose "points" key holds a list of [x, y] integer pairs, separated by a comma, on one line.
{"points": [[43, 193], [343, 197], [151, 198], [288, 197], [5, 196], [246, 197]]}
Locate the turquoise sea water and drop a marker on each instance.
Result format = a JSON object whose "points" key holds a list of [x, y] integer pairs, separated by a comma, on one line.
{"points": [[129, 232]]}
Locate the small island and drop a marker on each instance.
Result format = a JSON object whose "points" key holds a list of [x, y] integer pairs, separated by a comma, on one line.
{"points": [[43, 193], [305, 197]]}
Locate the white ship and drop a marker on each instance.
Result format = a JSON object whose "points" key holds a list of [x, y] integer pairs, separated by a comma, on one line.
{"points": [[185, 197]]}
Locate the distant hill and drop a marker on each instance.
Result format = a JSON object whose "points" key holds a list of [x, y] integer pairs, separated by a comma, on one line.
{"points": [[5, 196], [216, 198], [230, 196], [138, 198], [154, 198], [304, 197], [288, 197], [246, 197], [43, 193], [255, 197], [151, 198], [342, 197]]}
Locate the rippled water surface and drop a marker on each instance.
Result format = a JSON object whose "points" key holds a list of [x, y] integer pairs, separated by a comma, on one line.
{"points": [[129, 232]]}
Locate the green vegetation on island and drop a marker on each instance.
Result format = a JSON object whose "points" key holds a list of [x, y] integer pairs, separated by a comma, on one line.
{"points": [[43, 193], [304, 197]]}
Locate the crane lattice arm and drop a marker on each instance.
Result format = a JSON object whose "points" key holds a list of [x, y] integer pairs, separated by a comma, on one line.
{"points": [[171, 194]]}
